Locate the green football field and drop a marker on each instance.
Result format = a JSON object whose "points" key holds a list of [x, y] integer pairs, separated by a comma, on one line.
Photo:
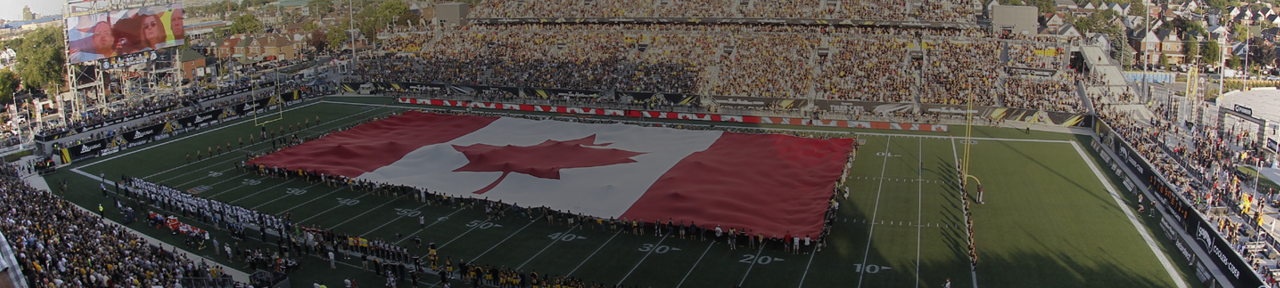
{"points": [[1048, 221]]}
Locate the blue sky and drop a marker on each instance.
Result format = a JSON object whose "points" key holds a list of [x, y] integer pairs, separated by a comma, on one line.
{"points": [[12, 9]]}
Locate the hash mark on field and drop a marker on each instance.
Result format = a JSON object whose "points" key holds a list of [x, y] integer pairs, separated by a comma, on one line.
{"points": [[874, 212]]}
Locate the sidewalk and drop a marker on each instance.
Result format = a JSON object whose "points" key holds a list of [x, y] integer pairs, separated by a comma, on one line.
{"points": [[37, 181]]}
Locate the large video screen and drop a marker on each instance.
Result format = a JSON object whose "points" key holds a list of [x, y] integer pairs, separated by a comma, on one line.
{"points": [[118, 33]]}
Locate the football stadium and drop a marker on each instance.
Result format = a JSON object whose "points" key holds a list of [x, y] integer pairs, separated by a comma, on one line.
{"points": [[603, 143]]}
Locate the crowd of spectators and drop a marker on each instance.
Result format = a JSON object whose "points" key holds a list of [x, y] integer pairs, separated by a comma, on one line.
{"points": [[192, 108], [956, 68], [59, 245], [938, 11], [871, 68], [1048, 93], [863, 63], [1202, 164]]}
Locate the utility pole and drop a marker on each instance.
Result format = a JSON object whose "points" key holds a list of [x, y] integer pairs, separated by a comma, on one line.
{"points": [[1146, 20], [351, 17]]}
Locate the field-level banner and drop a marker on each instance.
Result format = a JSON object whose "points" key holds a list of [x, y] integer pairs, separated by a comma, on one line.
{"points": [[679, 115], [1222, 254], [767, 183]]}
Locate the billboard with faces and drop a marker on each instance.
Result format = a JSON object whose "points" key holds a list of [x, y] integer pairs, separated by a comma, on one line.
{"points": [[123, 32]]}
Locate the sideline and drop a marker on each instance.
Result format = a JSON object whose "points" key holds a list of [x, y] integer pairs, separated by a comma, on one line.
{"points": [[1164, 261]]}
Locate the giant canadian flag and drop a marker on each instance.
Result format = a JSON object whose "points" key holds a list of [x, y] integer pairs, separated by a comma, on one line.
{"points": [[771, 184]]}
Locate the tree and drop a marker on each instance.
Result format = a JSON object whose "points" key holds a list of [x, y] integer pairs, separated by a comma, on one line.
{"points": [[8, 85], [1137, 9], [1261, 53], [1234, 62], [1011, 2], [406, 18], [1045, 6], [1193, 48], [318, 40], [1212, 53], [246, 23], [1239, 33], [1219, 4], [1164, 61], [336, 36], [41, 57], [391, 9], [320, 7], [310, 26]]}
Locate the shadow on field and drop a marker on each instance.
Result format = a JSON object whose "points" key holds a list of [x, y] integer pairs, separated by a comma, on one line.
{"points": [[1054, 269]]}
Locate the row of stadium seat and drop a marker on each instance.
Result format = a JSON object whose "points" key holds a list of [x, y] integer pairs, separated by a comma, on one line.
{"points": [[882, 65], [937, 11]]}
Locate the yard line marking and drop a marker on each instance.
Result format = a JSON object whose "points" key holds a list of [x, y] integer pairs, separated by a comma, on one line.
{"points": [[753, 264], [460, 236], [214, 183], [299, 205], [193, 171], [919, 208], [237, 149], [192, 135], [704, 253], [646, 255], [593, 253], [438, 220], [327, 210], [365, 212], [265, 190], [473, 259], [389, 222], [806, 267], [867, 252], [185, 165], [1164, 261], [553, 242], [228, 190]]}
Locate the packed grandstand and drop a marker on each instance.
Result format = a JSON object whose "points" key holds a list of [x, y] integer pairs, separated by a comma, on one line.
{"points": [[723, 66]]}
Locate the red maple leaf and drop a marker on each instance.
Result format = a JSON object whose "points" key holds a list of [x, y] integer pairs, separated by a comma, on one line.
{"points": [[543, 160]]}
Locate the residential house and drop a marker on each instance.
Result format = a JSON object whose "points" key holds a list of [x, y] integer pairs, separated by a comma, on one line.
{"points": [[1171, 46], [1052, 21], [1065, 5], [1218, 32], [1232, 12], [228, 47], [1271, 33], [1064, 31], [1122, 9], [191, 60]]}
